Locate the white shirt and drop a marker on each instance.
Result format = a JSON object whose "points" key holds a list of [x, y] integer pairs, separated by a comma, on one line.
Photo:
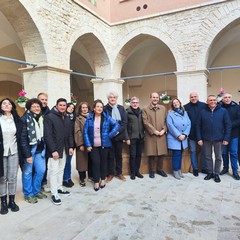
{"points": [[9, 135]]}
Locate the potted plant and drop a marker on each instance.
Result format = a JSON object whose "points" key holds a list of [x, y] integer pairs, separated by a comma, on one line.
{"points": [[127, 102], [22, 99], [165, 98], [74, 99], [220, 94]]}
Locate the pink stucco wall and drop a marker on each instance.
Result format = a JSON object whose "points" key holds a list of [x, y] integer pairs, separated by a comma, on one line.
{"points": [[120, 10]]}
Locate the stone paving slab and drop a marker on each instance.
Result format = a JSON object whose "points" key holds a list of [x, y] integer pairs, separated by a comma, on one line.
{"points": [[160, 208]]}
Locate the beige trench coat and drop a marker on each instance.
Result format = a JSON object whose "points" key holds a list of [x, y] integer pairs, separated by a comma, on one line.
{"points": [[154, 120], [81, 157]]}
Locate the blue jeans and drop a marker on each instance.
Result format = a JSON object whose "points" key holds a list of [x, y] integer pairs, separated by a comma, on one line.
{"points": [[232, 149], [32, 181], [193, 154], [67, 168], [177, 159]]}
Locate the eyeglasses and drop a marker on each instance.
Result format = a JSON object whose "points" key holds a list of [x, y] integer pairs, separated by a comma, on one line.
{"points": [[134, 102]]}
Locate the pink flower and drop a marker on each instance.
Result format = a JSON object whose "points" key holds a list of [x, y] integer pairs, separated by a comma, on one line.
{"points": [[74, 97], [221, 91], [22, 93]]}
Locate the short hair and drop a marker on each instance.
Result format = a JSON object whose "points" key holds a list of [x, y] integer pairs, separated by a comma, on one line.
{"points": [[134, 98], [61, 100], [226, 94], [32, 101], [114, 93], [211, 95], [42, 93], [153, 93]]}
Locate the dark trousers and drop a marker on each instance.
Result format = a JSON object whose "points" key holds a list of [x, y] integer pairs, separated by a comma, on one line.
{"points": [[151, 161], [217, 147], [135, 150], [115, 153], [99, 163], [83, 174]]}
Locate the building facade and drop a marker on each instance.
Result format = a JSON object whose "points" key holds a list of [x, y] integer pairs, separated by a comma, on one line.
{"points": [[116, 39]]}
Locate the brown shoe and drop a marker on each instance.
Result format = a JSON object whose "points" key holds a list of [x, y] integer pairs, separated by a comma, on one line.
{"points": [[109, 178], [121, 177]]}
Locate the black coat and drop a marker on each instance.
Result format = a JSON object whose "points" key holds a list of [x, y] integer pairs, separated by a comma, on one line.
{"points": [[135, 128], [234, 113], [18, 127], [58, 133], [123, 122], [193, 110]]}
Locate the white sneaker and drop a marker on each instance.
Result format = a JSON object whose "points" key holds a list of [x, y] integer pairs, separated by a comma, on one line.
{"points": [[46, 189]]}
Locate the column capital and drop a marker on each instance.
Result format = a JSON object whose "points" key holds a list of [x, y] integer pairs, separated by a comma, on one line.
{"points": [[103, 87], [108, 81], [45, 68]]}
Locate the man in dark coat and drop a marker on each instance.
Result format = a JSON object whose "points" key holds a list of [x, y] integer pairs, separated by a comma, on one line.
{"points": [[135, 137], [232, 148], [213, 130], [193, 109], [59, 140], [118, 113]]}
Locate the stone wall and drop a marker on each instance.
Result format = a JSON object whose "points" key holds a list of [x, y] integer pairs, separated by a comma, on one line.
{"points": [[167, 162]]}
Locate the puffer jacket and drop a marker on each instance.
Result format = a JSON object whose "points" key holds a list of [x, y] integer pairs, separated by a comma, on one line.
{"points": [[109, 128], [214, 125]]}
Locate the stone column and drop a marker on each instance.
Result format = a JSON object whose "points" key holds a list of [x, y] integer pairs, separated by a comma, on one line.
{"points": [[102, 87], [192, 81], [53, 81]]}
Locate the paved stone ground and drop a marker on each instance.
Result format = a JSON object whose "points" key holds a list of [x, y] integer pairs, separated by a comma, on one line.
{"points": [[160, 208]]}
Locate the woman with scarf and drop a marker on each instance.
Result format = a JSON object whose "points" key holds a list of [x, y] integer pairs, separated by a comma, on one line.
{"points": [[33, 151], [82, 160], [67, 181], [179, 126], [9, 154]]}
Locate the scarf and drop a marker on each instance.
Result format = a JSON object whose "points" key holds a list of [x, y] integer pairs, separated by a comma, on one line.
{"points": [[115, 112], [179, 111], [136, 111], [84, 115], [34, 128]]}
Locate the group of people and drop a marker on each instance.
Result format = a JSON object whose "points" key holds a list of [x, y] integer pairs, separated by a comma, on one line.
{"points": [[42, 142]]}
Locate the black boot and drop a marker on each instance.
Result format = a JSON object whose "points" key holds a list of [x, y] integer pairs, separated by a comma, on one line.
{"points": [[11, 204], [4, 208]]}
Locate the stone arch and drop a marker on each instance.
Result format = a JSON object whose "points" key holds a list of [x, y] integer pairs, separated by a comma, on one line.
{"points": [[93, 50], [24, 25], [224, 18], [126, 45], [88, 56]]}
